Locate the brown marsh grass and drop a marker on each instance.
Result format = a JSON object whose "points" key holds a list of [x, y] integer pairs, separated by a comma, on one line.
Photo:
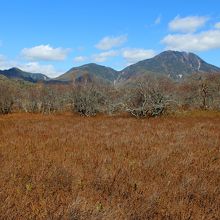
{"points": [[70, 167]]}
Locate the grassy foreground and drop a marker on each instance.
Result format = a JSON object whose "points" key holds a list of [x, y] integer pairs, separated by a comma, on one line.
{"points": [[69, 167]]}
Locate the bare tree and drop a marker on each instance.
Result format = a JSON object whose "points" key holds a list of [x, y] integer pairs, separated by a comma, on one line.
{"points": [[200, 91], [31, 97], [147, 99], [88, 100], [6, 97]]}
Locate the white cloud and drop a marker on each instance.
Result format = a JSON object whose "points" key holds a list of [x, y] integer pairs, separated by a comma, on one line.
{"points": [[108, 43], [33, 67], [158, 20], [45, 53], [134, 55], [217, 25], [187, 24], [131, 55], [202, 41], [80, 59], [102, 57]]}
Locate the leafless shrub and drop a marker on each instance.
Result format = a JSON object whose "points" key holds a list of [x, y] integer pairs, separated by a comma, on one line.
{"points": [[50, 101], [200, 91], [6, 98], [148, 96], [88, 100], [31, 100], [147, 100]]}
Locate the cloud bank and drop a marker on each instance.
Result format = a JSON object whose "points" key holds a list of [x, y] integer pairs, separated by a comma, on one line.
{"points": [[189, 38], [45, 53], [134, 55], [187, 24], [108, 42]]}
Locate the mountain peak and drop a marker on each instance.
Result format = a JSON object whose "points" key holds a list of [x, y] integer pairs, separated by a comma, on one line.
{"points": [[15, 69], [174, 64], [16, 73], [176, 53], [171, 63], [92, 71]]}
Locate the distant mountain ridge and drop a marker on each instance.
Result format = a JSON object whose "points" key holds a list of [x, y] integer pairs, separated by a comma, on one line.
{"points": [[92, 71], [15, 73], [173, 64]]}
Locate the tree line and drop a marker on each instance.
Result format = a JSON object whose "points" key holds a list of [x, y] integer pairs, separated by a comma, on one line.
{"points": [[148, 96]]}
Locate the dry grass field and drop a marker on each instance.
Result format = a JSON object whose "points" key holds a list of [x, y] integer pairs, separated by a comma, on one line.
{"points": [[71, 167]]}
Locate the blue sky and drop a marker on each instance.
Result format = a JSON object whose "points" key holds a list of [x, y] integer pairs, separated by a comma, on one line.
{"points": [[52, 36]]}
